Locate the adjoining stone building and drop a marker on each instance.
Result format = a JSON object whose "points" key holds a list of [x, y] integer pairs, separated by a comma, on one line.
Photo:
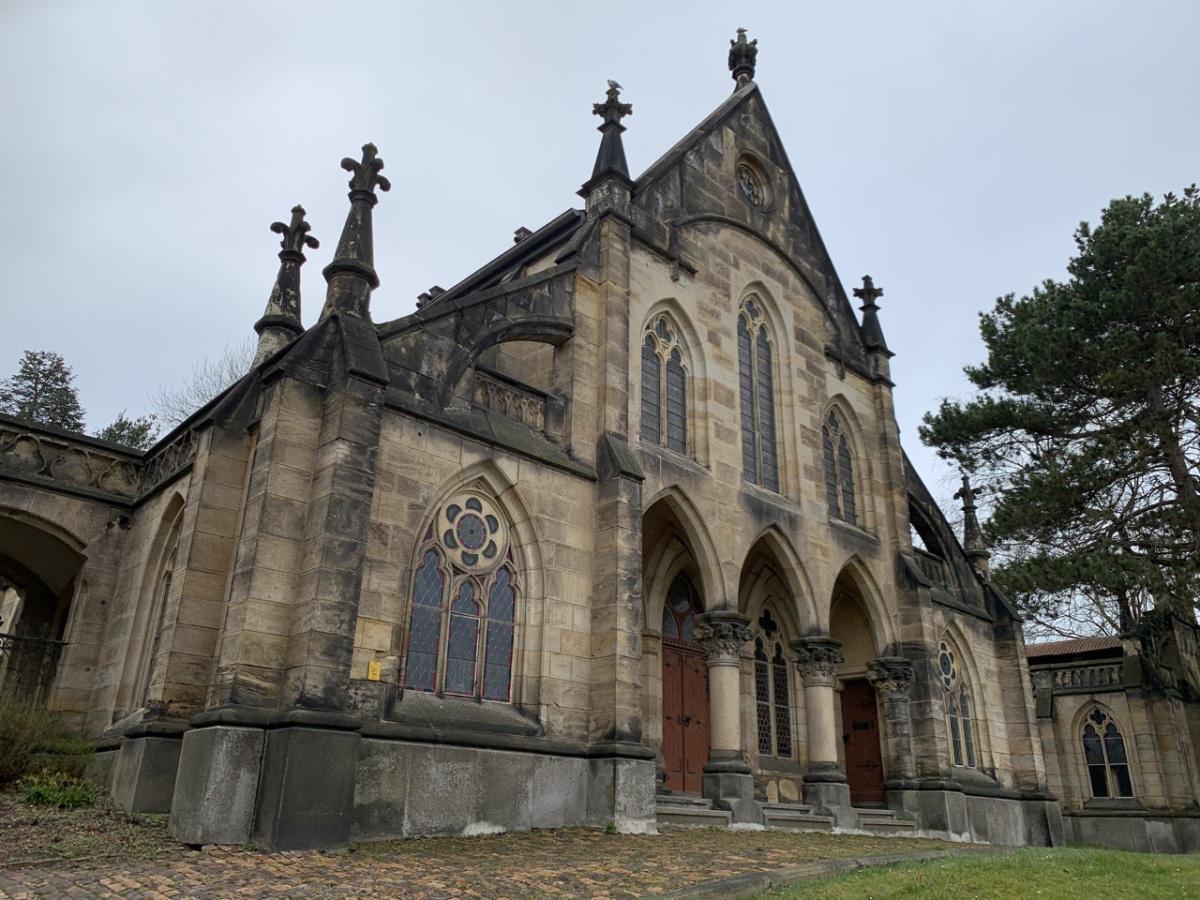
{"points": [[617, 529]]}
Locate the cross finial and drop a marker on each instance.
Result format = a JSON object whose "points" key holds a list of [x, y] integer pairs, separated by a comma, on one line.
{"points": [[612, 110], [868, 293], [966, 493], [742, 57], [364, 176], [295, 234]]}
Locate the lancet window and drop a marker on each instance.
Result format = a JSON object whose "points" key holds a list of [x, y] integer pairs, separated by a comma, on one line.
{"points": [[756, 394], [664, 387], [959, 720], [1105, 757], [839, 469], [772, 691], [464, 604]]}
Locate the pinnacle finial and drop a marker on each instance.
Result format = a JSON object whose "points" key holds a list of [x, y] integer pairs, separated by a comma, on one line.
{"points": [[365, 175], [742, 57], [872, 331], [296, 233], [973, 542], [612, 110]]}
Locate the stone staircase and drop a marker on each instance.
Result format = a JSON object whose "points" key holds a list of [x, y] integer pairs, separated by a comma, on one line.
{"points": [[884, 821], [683, 811], [680, 810]]}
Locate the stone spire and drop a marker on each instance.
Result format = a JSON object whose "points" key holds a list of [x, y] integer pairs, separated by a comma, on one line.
{"points": [[871, 331], [973, 543], [281, 322], [610, 160], [742, 56], [351, 275]]}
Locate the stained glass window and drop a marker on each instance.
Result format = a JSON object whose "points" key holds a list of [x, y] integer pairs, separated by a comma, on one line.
{"points": [[756, 395], [664, 388], [680, 609], [959, 722], [1105, 757], [772, 692], [839, 470], [463, 605]]}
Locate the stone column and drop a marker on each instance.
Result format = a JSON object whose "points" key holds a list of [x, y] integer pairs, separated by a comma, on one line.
{"points": [[892, 678], [825, 787], [727, 780]]}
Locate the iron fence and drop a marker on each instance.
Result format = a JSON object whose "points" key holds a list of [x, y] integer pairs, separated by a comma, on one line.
{"points": [[27, 666]]}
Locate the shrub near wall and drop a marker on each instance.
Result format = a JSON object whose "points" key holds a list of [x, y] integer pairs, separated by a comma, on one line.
{"points": [[33, 740]]}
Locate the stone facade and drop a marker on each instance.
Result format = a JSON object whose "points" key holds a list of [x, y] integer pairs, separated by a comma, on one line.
{"points": [[621, 518]]}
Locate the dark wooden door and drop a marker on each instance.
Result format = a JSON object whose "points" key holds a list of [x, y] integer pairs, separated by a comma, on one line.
{"points": [[685, 715], [860, 735]]}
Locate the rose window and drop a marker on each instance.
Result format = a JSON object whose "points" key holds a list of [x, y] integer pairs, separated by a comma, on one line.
{"points": [[471, 533]]}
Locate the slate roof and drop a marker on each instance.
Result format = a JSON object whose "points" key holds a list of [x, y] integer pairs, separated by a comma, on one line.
{"points": [[1073, 647]]}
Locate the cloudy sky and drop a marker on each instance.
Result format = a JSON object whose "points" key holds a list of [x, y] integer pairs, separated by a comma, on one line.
{"points": [[948, 149]]}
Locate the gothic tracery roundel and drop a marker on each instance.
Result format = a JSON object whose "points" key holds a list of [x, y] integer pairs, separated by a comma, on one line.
{"points": [[471, 532], [752, 185], [947, 666]]}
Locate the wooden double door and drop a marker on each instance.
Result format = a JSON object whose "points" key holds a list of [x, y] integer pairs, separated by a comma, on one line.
{"points": [[685, 715], [860, 739]]}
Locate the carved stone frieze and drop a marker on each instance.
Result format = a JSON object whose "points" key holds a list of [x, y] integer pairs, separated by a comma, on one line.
{"points": [[168, 461], [508, 400], [723, 634], [817, 658], [27, 450], [892, 677]]}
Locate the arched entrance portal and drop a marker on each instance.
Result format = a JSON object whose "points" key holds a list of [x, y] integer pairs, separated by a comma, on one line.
{"points": [[685, 689], [38, 572], [861, 733]]}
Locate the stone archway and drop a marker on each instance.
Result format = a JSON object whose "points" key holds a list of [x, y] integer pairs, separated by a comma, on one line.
{"points": [[861, 724], [39, 571]]}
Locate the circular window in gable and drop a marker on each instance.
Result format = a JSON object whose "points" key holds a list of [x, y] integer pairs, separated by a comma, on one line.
{"points": [[753, 184]]}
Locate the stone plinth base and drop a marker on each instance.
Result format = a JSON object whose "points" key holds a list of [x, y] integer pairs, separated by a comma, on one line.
{"points": [[143, 773], [217, 785], [306, 790], [730, 787], [831, 798]]}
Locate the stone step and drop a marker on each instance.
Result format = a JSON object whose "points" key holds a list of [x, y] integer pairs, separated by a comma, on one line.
{"points": [[682, 800], [796, 817], [691, 816], [884, 821]]}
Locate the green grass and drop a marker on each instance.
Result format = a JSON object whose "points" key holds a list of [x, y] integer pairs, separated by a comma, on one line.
{"points": [[1057, 874]]}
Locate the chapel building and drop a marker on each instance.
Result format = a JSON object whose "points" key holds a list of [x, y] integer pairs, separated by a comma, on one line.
{"points": [[618, 529]]}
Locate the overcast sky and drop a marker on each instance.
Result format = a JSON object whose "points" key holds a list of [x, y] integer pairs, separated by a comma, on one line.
{"points": [[948, 149]]}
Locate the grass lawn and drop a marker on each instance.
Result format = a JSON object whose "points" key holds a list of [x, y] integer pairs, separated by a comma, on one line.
{"points": [[1057, 874]]}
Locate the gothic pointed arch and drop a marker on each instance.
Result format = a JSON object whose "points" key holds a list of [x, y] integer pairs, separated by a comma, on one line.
{"points": [[855, 581], [474, 590], [758, 351], [667, 385], [1105, 746], [968, 733], [672, 514], [843, 464], [156, 594], [773, 551]]}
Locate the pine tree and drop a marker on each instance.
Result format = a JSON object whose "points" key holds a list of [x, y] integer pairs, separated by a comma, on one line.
{"points": [[136, 434], [43, 391], [1086, 432]]}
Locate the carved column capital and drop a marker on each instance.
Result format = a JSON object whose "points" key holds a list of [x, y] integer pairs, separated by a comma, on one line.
{"points": [[723, 633], [892, 677], [817, 658]]}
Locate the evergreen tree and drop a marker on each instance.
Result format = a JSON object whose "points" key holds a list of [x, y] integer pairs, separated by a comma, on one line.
{"points": [[137, 434], [43, 391], [1086, 431]]}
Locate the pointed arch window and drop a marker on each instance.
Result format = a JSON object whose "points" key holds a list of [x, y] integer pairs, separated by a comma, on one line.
{"points": [[680, 609], [1105, 757], [839, 469], [959, 720], [756, 395], [161, 576], [772, 692], [464, 600], [664, 387]]}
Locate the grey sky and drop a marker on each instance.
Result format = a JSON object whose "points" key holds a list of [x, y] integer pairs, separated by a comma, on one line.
{"points": [[948, 149]]}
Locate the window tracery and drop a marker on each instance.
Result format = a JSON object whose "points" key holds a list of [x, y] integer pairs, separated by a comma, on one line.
{"points": [[960, 721], [664, 387], [772, 691], [756, 393], [680, 609], [1105, 757], [839, 469], [464, 594]]}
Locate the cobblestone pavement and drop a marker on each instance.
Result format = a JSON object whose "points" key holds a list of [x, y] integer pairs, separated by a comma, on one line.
{"points": [[574, 862]]}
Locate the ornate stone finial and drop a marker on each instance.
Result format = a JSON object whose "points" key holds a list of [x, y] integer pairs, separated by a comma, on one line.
{"points": [[351, 275], [872, 332], [281, 322], [742, 57], [612, 110], [610, 160], [722, 633], [891, 676], [364, 176], [817, 658], [973, 542]]}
